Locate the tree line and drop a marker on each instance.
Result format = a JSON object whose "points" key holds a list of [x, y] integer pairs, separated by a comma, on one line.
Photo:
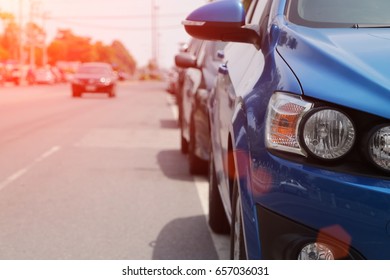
{"points": [[66, 46]]}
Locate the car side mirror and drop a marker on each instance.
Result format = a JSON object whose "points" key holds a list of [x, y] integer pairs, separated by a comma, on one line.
{"points": [[185, 60], [221, 21]]}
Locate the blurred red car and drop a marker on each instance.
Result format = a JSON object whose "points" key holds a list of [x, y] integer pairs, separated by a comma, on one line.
{"points": [[94, 77]]}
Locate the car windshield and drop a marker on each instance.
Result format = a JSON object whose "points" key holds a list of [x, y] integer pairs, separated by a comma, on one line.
{"points": [[93, 70], [339, 13]]}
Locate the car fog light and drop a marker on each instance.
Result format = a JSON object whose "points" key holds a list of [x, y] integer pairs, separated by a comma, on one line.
{"points": [[316, 251], [379, 147], [328, 134]]}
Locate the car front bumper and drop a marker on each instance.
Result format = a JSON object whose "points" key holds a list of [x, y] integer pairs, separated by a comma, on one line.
{"points": [[352, 212], [93, 88]]}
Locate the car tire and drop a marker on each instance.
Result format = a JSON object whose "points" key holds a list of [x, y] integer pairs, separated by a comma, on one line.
{"points": [[76, 94], [183, 145], [237, 243], [197, 166], [183, 141], [218, 221], [112, 93]]}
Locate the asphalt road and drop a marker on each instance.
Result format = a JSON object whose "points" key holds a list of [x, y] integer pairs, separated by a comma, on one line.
{"points": [[98, 178]]}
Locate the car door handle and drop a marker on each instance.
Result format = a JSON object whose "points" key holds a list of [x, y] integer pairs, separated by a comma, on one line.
{"points": [[221, 54], [223, 69]]}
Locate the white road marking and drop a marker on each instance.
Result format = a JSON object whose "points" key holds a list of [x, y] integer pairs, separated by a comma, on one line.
{"points": [[221, 242], [18, 174], [172, 104], [48, 153]]}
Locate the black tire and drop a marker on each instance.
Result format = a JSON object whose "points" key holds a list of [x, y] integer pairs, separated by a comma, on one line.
{"points": [[112, 92], [183, 141], [237, 243], [197, 166], [183, 145], [218, 221], [76, 94]]}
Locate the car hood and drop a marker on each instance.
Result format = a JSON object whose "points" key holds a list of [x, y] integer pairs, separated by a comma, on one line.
{"points": [[349, 67]]}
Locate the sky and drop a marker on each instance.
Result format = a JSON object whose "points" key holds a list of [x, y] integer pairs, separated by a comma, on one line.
{"points": [[128, 21]]}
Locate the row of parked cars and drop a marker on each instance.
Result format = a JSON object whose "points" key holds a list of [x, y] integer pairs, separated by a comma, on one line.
{"points": [[284, 104], [89, 77], [14, 73]]}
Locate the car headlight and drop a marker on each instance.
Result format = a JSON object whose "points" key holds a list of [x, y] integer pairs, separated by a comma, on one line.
{"points": [[105, 81], [293, 125], [285, 112], [379, 147], [327, 133]]}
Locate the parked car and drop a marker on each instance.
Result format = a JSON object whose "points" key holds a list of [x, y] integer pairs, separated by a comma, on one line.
{"points": [[94, 77], [199, 79], [300, 127], [30, 76], [44, 76], [190, 51], [123, 76], [58, 74], [172, 78], [12, 72]]}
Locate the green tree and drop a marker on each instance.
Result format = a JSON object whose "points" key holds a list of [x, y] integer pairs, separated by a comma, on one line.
{"points": [[122, 59], [35, 36], [4, 53], [9, 40], [102, 52], [69, 47]]}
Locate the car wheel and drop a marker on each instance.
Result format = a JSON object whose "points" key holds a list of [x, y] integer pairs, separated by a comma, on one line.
{"points": [[218, 221], [237, 244], [197, 166], [183, 141], [76, 94], [112, 93], [183, 145]]}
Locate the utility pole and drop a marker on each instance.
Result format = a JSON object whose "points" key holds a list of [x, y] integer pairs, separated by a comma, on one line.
{"points": [[33, 11], [44, 58], [154, 34], [20, 54]]}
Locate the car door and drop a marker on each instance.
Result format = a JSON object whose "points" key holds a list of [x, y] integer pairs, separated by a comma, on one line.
{"points": [[191, 80], [242, 67]]}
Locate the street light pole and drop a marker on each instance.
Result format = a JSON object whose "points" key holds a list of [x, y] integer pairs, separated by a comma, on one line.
{"points": [[154, 34], [20, 32], [31, 31], [44, 58]]}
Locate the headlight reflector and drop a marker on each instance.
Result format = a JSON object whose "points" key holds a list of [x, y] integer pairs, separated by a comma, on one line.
{"points": [[328, 134], [285, 112], [379, 147]]}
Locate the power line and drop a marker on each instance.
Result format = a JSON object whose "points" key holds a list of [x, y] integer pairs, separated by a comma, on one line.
{"points": [[127, 28], [114, 17]]}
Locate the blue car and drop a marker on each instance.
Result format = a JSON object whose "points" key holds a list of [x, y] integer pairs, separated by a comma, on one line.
{"points": [[300, 129]]}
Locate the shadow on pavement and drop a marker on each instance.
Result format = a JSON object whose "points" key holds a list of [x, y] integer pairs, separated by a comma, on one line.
{"points": [[174, 165], [169, 124], [185, 239]]}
